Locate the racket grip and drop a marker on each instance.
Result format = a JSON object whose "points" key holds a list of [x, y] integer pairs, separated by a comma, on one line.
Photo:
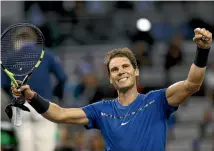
{"points": [[18, 117]]}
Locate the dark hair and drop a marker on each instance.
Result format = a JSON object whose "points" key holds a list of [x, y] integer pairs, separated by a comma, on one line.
{"points": [[25, 33], [121, 52]]}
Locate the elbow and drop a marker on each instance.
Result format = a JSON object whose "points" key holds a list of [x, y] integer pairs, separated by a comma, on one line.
{"points": [[63, 78], [60, 118], [56, 118], [196, 89], [192, 88]]}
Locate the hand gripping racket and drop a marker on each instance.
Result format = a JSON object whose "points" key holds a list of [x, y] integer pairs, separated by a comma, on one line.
{"points": [[22, 50]]}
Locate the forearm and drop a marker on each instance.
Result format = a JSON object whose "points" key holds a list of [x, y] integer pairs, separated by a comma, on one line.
{"points": [[48, 110], [57, 114], [53, 113], [195, 78], [180, 91]]}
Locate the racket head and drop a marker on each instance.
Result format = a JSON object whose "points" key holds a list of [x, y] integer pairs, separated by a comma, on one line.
{"points": [[22, 48]]}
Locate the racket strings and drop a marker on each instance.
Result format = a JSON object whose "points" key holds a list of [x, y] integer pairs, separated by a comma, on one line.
{"points": [[21, 49]]}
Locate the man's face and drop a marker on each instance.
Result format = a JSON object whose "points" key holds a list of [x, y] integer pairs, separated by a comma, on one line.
{"points": [[122, 74]]}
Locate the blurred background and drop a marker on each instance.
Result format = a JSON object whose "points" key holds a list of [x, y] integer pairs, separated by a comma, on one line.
{"points": [[159, 33]]}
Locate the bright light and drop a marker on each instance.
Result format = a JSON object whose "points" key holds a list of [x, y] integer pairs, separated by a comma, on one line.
{"points": [[143, 24]]}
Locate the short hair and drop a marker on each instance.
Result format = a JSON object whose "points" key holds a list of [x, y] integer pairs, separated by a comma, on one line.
{"points": [[121, 52], [25, 33]]}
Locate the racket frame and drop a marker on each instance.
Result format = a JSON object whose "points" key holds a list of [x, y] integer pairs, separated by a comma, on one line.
{"points": [[18, 116]]}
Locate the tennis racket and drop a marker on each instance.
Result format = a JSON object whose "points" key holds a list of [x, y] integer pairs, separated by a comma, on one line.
{"points": [[22, 50]]}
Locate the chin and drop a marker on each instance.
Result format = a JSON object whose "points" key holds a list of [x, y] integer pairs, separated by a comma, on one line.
{"points": [[124, 88]]}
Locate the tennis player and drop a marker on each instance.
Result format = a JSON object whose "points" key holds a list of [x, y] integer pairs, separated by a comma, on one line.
{"points": [[133, 121]]}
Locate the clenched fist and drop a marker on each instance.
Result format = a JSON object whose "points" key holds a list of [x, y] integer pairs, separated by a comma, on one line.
{"points": [[202, 38], [28, 93]]}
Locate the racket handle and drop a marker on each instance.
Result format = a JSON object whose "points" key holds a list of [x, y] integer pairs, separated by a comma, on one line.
{"points": [[18, 117]]}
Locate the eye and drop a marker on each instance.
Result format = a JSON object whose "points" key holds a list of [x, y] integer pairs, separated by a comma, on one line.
{"points": [[126, 65], [114, 69]]}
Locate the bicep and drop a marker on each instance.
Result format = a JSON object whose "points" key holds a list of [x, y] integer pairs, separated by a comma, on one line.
{"points": [[75, 116], [178, 93]]}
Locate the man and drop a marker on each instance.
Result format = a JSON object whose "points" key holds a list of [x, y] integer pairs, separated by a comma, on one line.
{"points": [[133, 121], [32, 133]]}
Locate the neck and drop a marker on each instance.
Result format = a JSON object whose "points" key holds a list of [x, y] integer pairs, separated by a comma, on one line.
{"points": [[127, 97]]}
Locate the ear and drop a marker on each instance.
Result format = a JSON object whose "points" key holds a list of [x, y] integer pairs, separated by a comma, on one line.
{"points": [[137, 72], [110, 80]]}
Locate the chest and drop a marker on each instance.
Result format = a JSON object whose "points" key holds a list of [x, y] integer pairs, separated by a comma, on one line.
{"points": [[128, 123]]}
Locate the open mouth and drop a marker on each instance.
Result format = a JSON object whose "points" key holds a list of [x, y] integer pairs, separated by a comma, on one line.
{"points": [[123, 79]]}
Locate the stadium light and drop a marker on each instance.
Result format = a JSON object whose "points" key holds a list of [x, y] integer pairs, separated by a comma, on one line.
{"points": [[143, 24]]}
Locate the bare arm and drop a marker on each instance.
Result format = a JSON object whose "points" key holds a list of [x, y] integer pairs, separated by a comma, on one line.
{"points": [[58, 114], [51, 111], [180, 91]]}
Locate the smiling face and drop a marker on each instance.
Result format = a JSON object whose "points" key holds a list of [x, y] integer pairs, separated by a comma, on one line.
{"points": [[122, 74]]}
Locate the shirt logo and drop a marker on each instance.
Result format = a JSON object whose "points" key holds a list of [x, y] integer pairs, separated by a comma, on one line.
{"points": [[122, 124]]}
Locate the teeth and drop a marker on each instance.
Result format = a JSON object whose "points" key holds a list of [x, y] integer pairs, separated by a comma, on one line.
{"points": [[123, 79]]}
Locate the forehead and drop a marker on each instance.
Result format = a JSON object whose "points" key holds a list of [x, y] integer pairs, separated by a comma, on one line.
{"points": [[118, 61]]}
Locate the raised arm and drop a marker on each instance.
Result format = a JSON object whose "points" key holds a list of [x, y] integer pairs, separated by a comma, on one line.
{"points": [[180, 91], [58, 114], [52, 111]]}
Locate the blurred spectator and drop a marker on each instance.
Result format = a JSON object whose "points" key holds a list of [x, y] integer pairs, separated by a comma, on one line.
{"points": [[39, 12], [198, 22], [141, 55], [8, 139], [125, 5], [46, 6], [208, 114], [88, 89], [40, 81], [209, 82], [142, 36], [171, 123], [65, 142], [77, 11], [97, 143], [174, 56], [79, 141]]}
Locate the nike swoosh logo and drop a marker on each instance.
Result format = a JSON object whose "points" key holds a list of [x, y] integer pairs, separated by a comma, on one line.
{"points": [[124, 123]]}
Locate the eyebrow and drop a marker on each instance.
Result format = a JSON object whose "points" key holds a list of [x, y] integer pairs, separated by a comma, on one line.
{"points": [[125, 64]]}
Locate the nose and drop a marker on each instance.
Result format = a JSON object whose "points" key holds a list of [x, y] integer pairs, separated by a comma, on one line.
{"points": [[120, 72]]}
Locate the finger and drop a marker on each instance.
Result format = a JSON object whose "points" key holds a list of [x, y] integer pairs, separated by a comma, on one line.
{"points": [[16, 94], [200, 31], [197, 30], [209, 35], [197, 37], [18, 81], [23, 88], [203, 31], [204, 38], [13, 84], [13, 89], [206, 35]]}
